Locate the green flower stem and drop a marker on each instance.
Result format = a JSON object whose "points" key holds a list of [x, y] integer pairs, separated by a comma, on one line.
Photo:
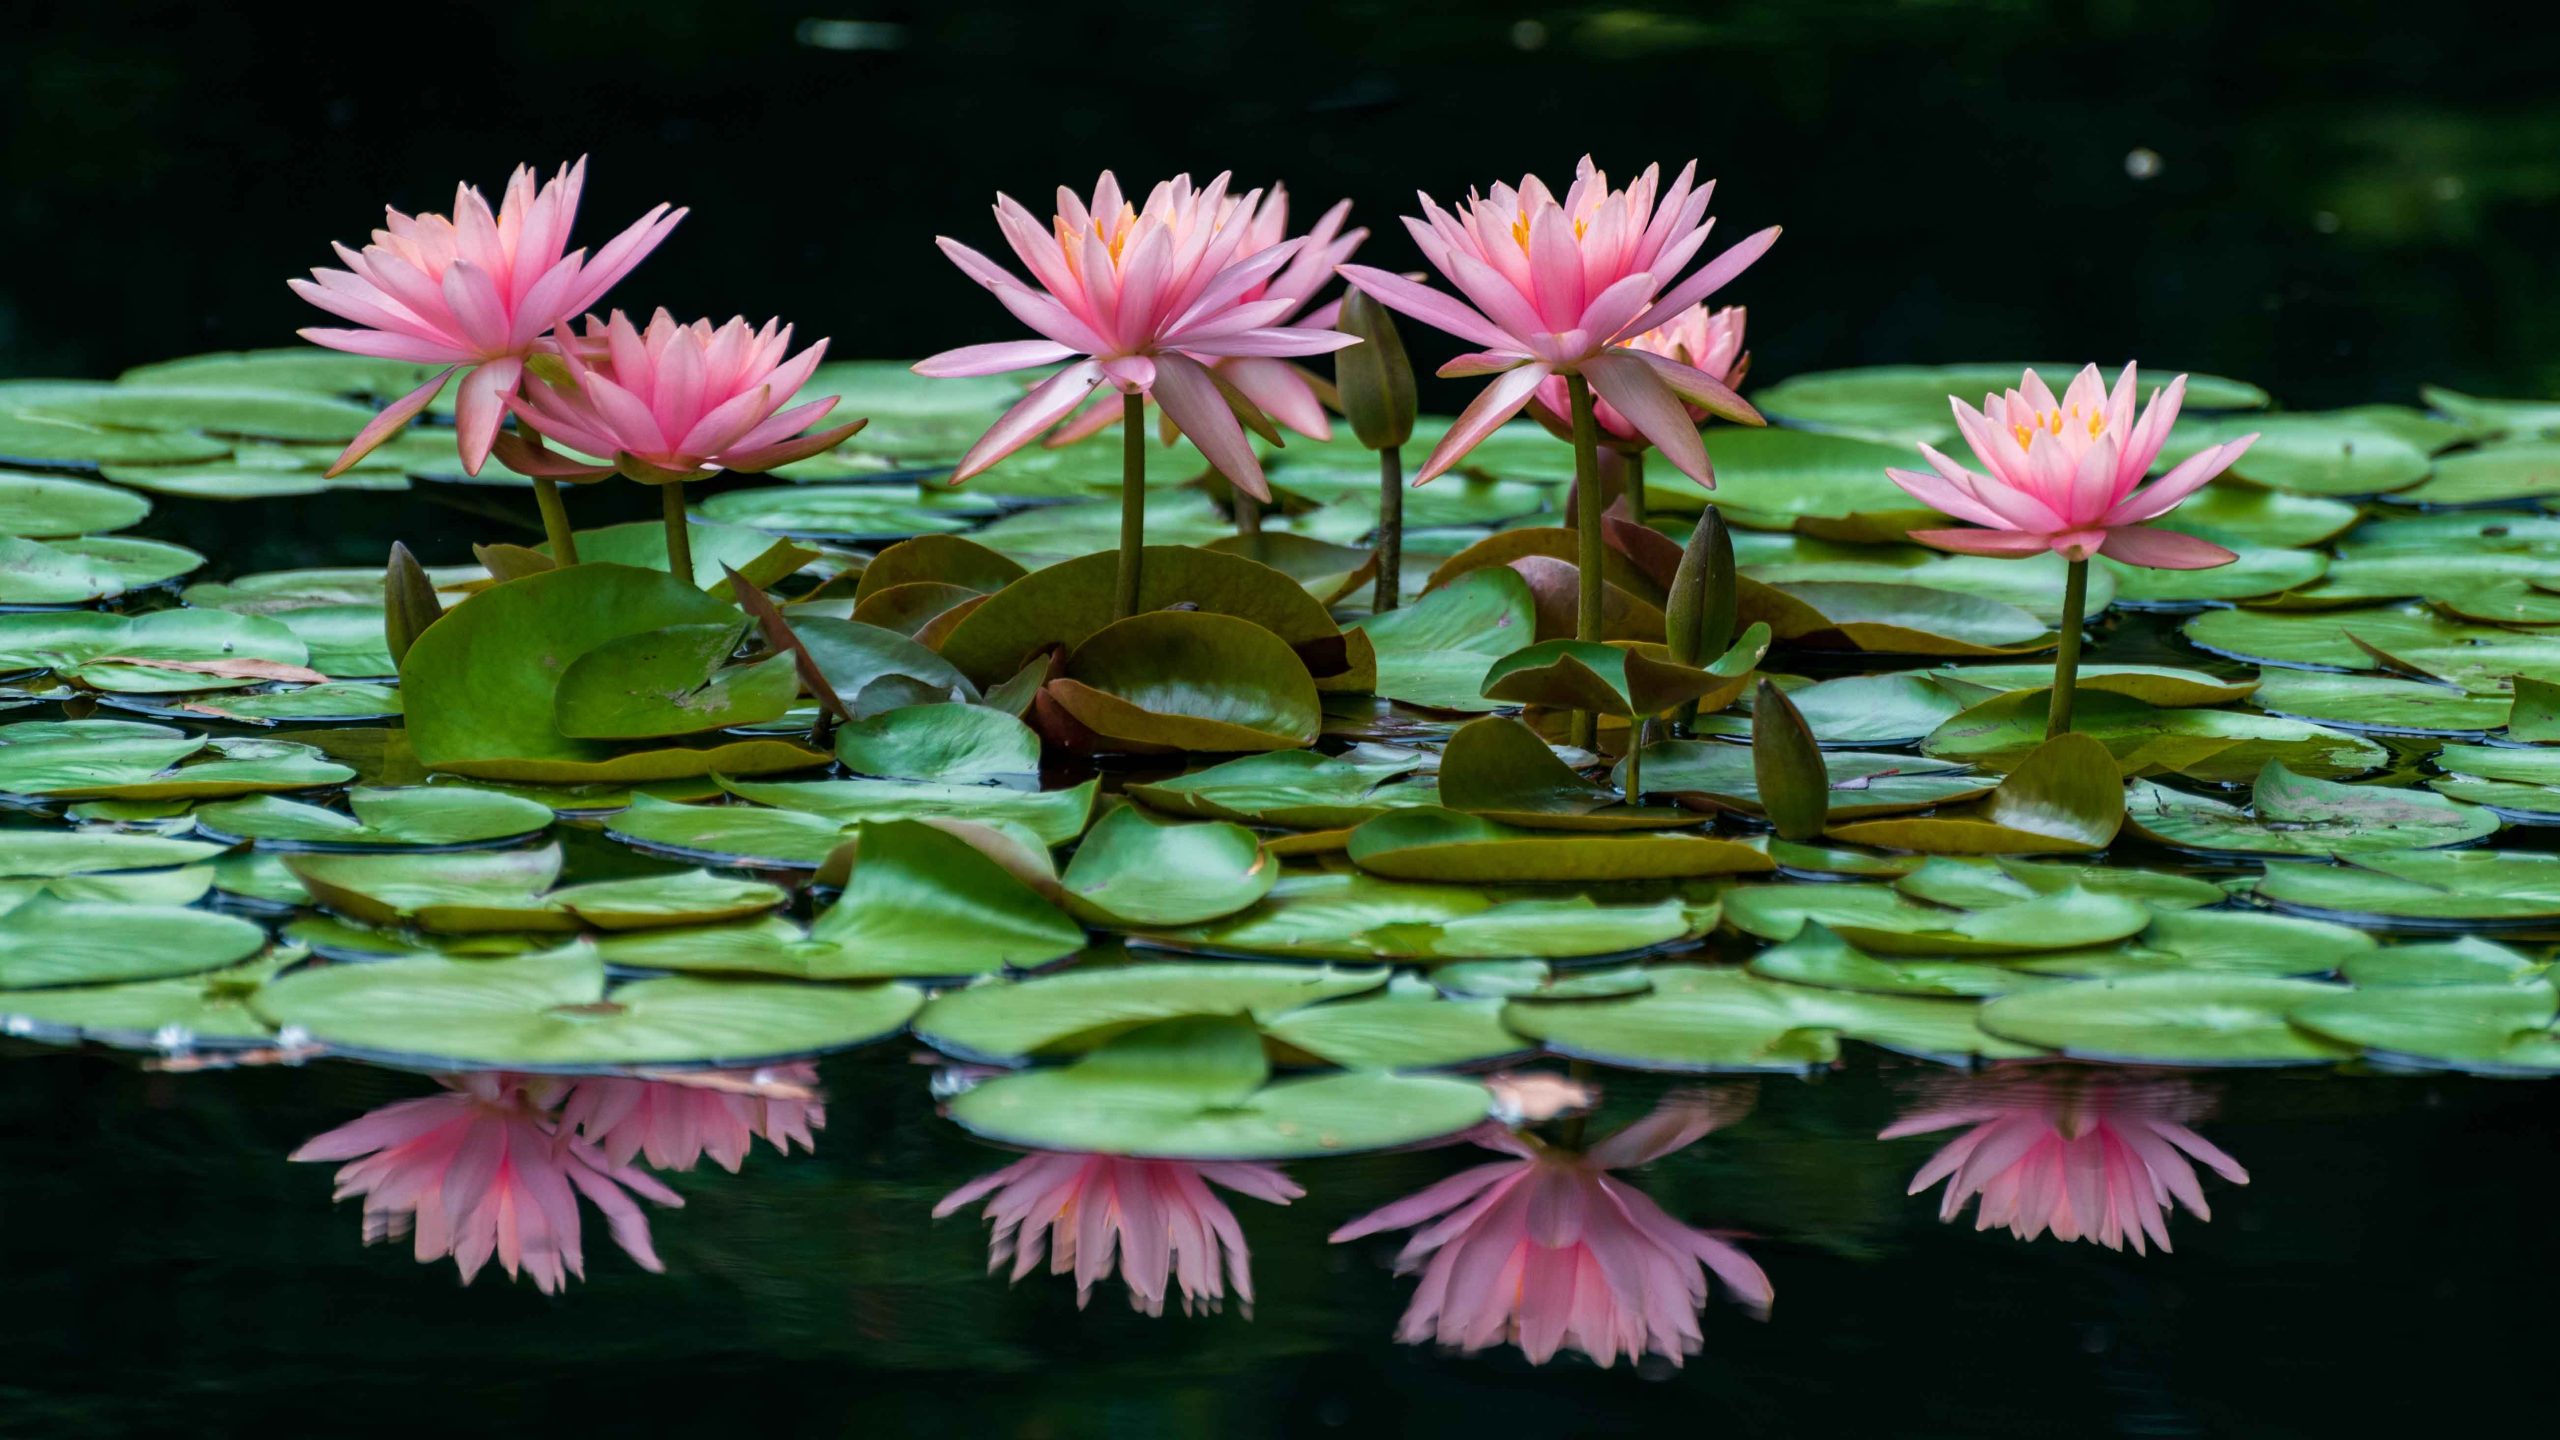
{"points": [[2066, 663], [1635, 486], [1634, 787], [1390, 592], [555, 521], [1590, 555], [1133, 503], [679, 539]]}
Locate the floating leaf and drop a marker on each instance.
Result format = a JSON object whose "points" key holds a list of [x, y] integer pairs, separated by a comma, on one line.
{"points": [[510, 890], [1538, 980], [80, 760], [1498, 768], [1066, 604], [50, 854], [56, 507], [193, 1011], [1880, 919], [1296, 788], [2169, 1020], [2378, 705], [674, 681], [1436, 844], [2497, 1029], [1408, 1027], [159, 653], [1080, 1010], [1974, 884], [2258, 570], [2215, 745], [2228, 942], [1361, 917], [1853, 710], [2150, 684], [412, 816], [2467, 961], [1632, 681], [1892, 619], [553, 1011], [2063, 796], [333, 702], [2476, 657], [2422, 889], [2292, 814], [1435, 651], [858, 513], [1135, 871], [1170, 680], [953, 744], [2491, 475], [1712, 773], [1820, 958], [47, 942], [923, 902], [1707, 1020], [1192, 1089], [483, 683]]}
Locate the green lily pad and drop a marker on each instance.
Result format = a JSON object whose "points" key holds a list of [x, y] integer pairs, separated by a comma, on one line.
{"points": [[93, 568], [1861, 784], [1700, 1019], [1408, 1027], [482, 682], [1295, 788], [1498, 768], [953, 744], [553, 1011], [2292, 814], [674, 681], [53, 854], [127, 760], [1361, 917], [1195, 1089], [274, 414], [1080, 1010], [1056, 816], [923, 902], [2483, 1029], [1434, 652], [335, 702], [2518, 782], [1538, 980], [2169, 1020], [2226, 942], [1329, 572], [1892, 619], [1622, 680], [2246, 515], [2213, 745], [2491, 475], [2478, 658], [875, 670], [1830, 485], [425, 816], [1133, 870], [1882, 920], [163, 652], [1976, 884], [1435, 844], [2467, 961], [182, 1012], [857, 513], [1195, 681], [31, 437], [45, 942], [182, 886], [2259, 570], [2495, 417], [2151, 684], [2378, 704], [2314, 454], [2422, 889], [1820, 958], [2064, 796], [1855, 710], [1066, 604], [57, 507], [511, 890], [2033, 583]]}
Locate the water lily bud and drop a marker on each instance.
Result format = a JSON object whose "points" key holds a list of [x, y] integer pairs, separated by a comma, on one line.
{"points": [[1375, 378], [1701, 610], [409, 602], [1795, 788]]}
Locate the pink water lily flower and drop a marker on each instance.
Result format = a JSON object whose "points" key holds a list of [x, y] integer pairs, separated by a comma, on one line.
{"points": [[1550, 1251], [480, 289], [2104, 1161], [1283, 390], [484, 1170], [1149, 298], [2063, 476], [1562, 287], [1159, 1217], [719, 1113], [1709, 341], [675, 402]]}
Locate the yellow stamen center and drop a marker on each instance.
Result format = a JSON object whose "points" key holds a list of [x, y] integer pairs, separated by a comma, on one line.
{"points": [[2052, 421]]}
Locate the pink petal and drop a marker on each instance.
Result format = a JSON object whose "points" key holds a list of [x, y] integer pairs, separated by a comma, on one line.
{"points": [[1649, 405], [1428, 306], [1192, 400], [1048, 402], [992, 359], [2163, 549], [481, 405], [390, 422], [1497, 403], [1984, 542]]}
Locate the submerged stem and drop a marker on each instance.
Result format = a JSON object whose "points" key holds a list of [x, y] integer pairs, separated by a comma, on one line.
{"points": [[2066, 662], [1390, 591], [555, 521], [1589, 552], [1133, 503], [679, 539]]}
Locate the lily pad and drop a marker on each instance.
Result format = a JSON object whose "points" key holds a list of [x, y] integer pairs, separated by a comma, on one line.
{"points": [[1435, 652], [88, 569], [1820, 958], [511, 890], [1066, 604], [1195, 1089], [1056, 816], [2204, 1020], [2467, 961], [2422, 889], [1196, 681], [2258, 570], [1882, 920], [1133, 870], [2491, 475], [1538, 980], [1408, 1027], [2062, 797], [1976, 884], [1361, 917], [1080, 1010], [57, 507], [162, 652], [858, 513], [51, 854], [2151, 684], [952, 744], [2520, 783], [100, 759], [2292, 814], [45, 942], [1295, 788], [2378, 704], [675, 681], [428, 816], [923, 902], [1633, 681], [2483, 1029], [1435, 844], [1720, 775], [1498, 768], [1892, 619], [1858, 710], [2214, 745], [187, 1011], [2478, 658], [553, 1011], [2226, 942], [483, 682], [1700, 1019]]}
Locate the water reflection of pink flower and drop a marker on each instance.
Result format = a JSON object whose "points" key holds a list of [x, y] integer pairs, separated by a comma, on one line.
{"points": [[1160, 1217], [677, 1122], [484, 1170], [1550, 1251], [2104, 1160]]}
